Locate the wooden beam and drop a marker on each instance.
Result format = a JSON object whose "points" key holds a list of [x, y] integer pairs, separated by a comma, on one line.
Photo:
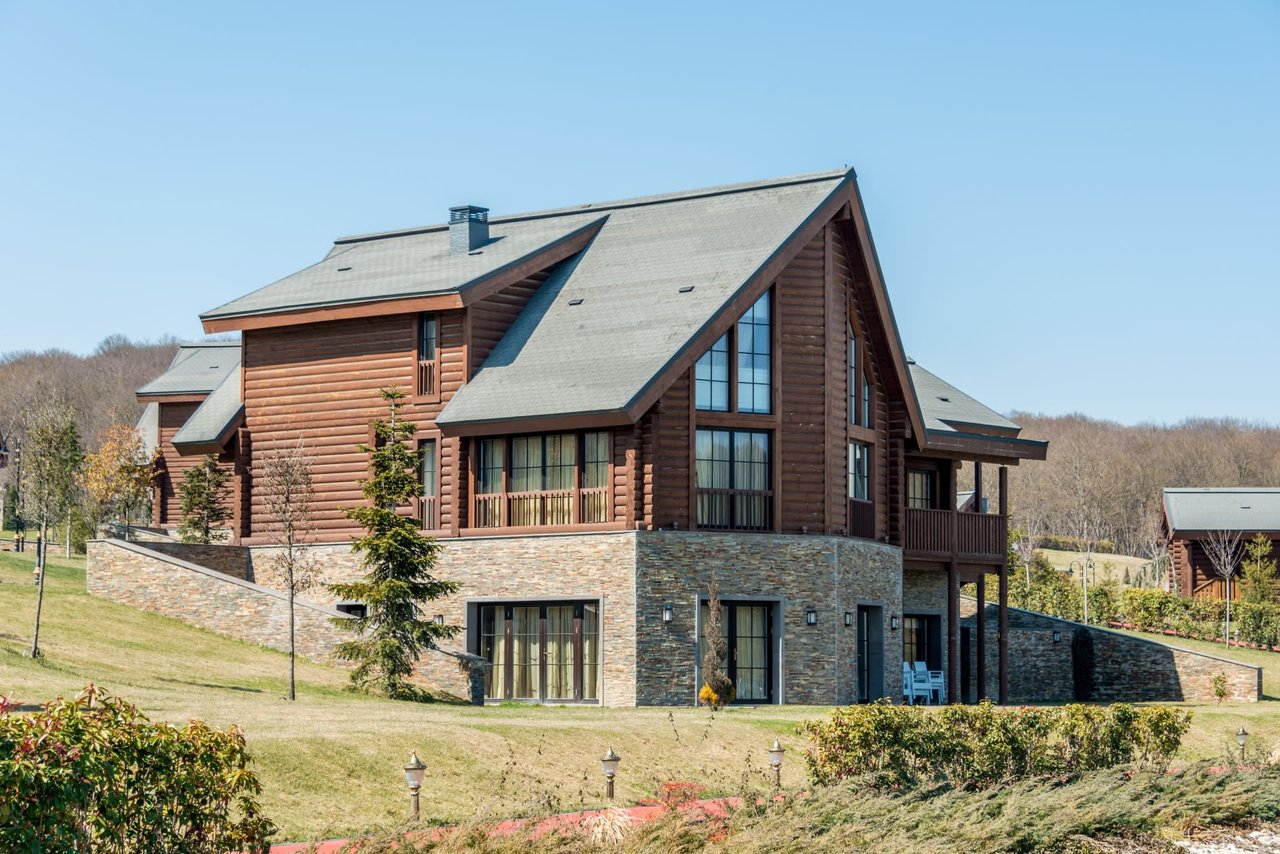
{"points": [[1003, 640], [982, 637], [953, 632]]}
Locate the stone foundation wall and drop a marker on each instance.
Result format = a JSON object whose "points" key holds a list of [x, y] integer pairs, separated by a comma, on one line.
{"points": [[227, 559], [832, 575], [1126, 668]]}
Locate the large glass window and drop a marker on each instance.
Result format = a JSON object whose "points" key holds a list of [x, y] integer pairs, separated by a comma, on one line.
{"points": [[430, 468], [922, 640], [541, 651], [920, 488], [544, 479], [711, 377], [860, 471], [755, 346], [748, 628], [732, 476]]}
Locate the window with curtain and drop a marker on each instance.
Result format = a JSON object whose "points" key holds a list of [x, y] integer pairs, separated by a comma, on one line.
{"points": [[920, 488], [430, 468], [755, 366], [428, 338], [490, 468], [729, 466], [545, 652], [711, 377], [595, 476], [860, 471]]}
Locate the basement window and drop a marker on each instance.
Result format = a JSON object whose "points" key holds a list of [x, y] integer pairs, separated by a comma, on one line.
{"points": [[356, 609]]}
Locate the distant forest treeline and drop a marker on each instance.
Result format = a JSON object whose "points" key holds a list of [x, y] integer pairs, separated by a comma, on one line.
{"points": [[1102, 480], [100, 386]]}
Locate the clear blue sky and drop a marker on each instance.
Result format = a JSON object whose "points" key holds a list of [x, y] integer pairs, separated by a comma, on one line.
{"points": [[1077, 205]]}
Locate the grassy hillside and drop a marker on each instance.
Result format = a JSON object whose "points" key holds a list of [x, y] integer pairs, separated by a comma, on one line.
{"points": [[1106, 567], [330, 763]]}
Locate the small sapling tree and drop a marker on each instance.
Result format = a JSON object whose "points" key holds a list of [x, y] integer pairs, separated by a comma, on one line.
{"points": [[290, 493], [204, 502], [1223, 551], [398, 560]]}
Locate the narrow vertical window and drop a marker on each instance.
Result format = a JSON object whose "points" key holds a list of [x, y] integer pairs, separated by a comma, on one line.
{"points": [[595, 477], [866, 399], [428, 355], [755, 366], [711, 377], [920, 489], [430, 468], [854, 384], [859, 471], [490, 474]]}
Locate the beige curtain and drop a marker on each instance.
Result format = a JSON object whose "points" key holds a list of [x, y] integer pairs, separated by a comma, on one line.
{"points": [[591, 652], [526, 654], [560, 652]]}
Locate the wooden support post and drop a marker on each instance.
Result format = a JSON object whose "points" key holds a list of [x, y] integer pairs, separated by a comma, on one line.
{"points": [[981, 669], [953, 632], [977, 487], [1004, 595]]}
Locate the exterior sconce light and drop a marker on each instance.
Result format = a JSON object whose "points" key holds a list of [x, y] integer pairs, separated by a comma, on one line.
{"points": [[1057, 637], [414, 771], [609, 764], [438, 619], [894, 623], [811, 617], [668, 612], [848, 619], [775, 759], [1241, 738]]}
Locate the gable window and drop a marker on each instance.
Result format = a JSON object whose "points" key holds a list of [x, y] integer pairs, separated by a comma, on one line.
{"points": [[736, 373], [428, 452], [855, 382], [866, 399], [428, 355], [755, 383], [711, 377], [921, 486], [542, 479], [733, 480]]}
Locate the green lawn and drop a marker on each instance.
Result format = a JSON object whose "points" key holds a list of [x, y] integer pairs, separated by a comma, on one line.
{"points": [[330, 763]]}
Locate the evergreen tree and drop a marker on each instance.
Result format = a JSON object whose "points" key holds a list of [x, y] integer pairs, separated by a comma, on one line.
{"points": [[204, 503], [398, 560], [1258, 571]]}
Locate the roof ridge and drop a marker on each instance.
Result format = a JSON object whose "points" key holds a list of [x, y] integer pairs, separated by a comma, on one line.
{"points": [[618, 204]]}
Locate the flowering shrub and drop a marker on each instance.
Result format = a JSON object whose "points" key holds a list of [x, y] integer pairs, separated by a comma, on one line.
{"points": [[93, 774], [978, 747]]}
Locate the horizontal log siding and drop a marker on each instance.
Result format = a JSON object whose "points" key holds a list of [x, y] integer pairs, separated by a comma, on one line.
{"points": [[804, 386], [669, 477], [493, 316], [839, 309], [167, 512]]}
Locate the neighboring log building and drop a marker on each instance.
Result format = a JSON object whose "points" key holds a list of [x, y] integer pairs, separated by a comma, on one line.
{"points": [[1192, 515], [616, 401]]}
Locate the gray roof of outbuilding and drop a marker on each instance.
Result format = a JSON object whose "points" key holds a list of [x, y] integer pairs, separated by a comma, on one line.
{"points": [[609, 320], [1223, 509], [196, 369], [210, 426], [946, 408]]}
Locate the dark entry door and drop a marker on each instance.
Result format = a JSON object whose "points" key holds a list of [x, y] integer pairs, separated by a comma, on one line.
{"points": [[870, 653], [748, 628]]}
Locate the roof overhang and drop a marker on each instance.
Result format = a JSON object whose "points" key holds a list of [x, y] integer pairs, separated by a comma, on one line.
{"points": [[566, 422], [214, 445], [176, 397], [477, 289], [1004, 450]]}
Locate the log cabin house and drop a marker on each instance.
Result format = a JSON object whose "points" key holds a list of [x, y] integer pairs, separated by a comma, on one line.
{"points": [[1192, 515], [616, 402]]}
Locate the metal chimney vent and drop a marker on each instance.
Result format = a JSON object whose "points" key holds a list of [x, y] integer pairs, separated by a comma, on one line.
{"points": [[468, 228]]}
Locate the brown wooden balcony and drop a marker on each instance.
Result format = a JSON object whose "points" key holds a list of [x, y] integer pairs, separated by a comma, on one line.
{"points": [[551, 508], [947, 534]]}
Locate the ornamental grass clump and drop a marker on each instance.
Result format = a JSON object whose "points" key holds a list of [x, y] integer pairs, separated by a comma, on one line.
{"points": [[978, 747], [93, 774]]}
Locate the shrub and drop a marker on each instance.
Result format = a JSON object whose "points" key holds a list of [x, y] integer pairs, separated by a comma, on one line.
{"points": [[93, 774], [1220, 686], [982, 746], [1158, 610]]}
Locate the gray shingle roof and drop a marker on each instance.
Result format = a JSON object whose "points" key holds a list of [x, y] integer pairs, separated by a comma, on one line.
{"points": [[196, 369], [403, 264], [946, 408], [210, 426], [631, 319], [1223, 509]]}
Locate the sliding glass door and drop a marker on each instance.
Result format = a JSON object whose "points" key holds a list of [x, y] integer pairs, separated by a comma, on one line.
{"points": [[748, 628], [541, 652]]}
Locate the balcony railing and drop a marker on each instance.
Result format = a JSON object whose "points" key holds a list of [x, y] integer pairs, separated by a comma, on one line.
{"points": [[735, 509], [862, 519], [947, 532], [541, 509], [429, 512], [427, 378]]}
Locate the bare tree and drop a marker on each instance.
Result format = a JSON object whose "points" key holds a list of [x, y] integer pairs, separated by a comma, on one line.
{"points": [[1224, 551], [1155, 544], [290, 493], [1030, 527]]}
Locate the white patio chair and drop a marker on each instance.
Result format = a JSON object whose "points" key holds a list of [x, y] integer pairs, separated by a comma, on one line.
{"points": [[920, 683], [938, 685], [908, 694]]}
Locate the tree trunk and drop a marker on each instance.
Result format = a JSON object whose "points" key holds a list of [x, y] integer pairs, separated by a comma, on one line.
{"points": [[1227, 633], [68, 544], [41, 548], [292, 691]]}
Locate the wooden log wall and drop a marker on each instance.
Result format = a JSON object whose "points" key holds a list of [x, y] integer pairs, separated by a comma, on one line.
{"points": [[167, 507]]}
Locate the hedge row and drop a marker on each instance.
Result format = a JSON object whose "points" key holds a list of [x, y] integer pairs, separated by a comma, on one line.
{"points": [[93, 774], [978, 747], [1159, 611]]}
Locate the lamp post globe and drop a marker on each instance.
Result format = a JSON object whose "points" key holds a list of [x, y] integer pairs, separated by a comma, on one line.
{"points": [[1241, 737], [775, 759], [414, 772], [609, 764]]}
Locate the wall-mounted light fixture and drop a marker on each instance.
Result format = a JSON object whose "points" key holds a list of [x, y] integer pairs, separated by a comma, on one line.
{"points": [[1057, 637], [848, 619], [667, 612], [811, 617], [438, 619], [894, 623]]}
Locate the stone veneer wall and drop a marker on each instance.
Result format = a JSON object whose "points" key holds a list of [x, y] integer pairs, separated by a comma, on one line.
{"points": [[830, 574], [1127, 669], [571, 566], [227, 559], [925, 593]]}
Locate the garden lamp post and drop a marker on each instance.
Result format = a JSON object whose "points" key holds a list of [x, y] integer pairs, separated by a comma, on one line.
{"points": [[1241, 738], [775, 759], [1084, 583], [609, 763], [414, 771]]}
